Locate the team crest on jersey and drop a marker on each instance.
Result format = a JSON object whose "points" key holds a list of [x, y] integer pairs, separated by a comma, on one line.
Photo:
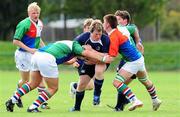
{"points": [[83, 71], [98, 48]]}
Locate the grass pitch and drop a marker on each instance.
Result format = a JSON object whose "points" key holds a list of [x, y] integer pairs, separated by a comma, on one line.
{"points": [[167, 85]]}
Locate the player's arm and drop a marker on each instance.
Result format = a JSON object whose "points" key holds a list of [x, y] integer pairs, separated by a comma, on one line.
{"points": [[72, 62], [139, 45], [88, 47], [42, 44], [22, 45], [99, 57], [90, 53]]}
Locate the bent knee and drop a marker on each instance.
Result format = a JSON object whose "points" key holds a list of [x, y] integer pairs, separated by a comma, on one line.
{"points": [[116, 83]]}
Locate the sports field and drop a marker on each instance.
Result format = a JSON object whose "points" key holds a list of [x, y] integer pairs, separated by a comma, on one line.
{"points": [[167, 84]]}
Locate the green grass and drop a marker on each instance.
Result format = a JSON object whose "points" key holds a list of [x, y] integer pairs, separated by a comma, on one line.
{"points": [[158, 56], [167, 84]]}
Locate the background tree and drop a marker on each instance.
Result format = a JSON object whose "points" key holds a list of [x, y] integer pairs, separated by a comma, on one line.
{"points": [[170, 28], [10, 13], [143, 12]]}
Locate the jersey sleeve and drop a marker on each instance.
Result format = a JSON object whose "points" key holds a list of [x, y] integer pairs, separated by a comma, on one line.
{"points": [[21, 29], [131, 28], [77, 48], [82, 38], [106, 43]]}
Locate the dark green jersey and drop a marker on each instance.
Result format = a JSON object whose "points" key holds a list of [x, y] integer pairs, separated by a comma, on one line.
{"points": [[63, 50]]}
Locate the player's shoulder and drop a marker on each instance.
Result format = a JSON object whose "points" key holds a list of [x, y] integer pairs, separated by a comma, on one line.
{"points": [[24, 22], [105, 39], [132, 26], [83, 36], [104, 36], [86, 34]]}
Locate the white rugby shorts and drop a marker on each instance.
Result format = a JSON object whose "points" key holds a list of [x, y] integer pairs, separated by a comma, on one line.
{"points": [[135, 66], [45, 63], [23, 60]]}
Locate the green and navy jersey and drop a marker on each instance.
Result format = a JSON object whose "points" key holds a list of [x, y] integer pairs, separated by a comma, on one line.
{"points": [[63, 50], [29, 32]]}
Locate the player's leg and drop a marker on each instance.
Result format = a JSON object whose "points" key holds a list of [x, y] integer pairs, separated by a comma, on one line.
{"points": [[125, 90], [82, 70], [52, 84], [41, 88], [48, 68], [143, 78], [27, 87], [23, 60], [121, 98], [98, 82], [83, 81], [90, 85], [73, 87], [24, 78]]}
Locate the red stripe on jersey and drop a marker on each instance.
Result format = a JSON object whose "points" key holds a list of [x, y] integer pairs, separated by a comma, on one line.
{"points": [[32, 31]]}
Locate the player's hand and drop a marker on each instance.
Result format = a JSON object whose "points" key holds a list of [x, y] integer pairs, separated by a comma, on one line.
{"points": [[32, 51], [75, 64], [89, 62], [87, 47], [140, 47], [108, 59]]}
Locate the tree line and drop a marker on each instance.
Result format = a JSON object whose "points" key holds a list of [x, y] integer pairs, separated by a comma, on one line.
{"points": [[143, 12]]}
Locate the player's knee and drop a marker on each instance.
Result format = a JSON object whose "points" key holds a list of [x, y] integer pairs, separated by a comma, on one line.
{"points": [[32, 85], [116, 83], [143, 80], [53, 90], [89, 87], [99, 74], [82, 86]]}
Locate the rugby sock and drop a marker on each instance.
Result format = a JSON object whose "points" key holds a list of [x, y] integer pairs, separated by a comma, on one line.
{"points": [[40, 89], [20, 92], [123, 88], [121, 101], [43, 97], [75, 85], [97, 87], [151, 89], [18, 83], [79, 98], [152, 92]]}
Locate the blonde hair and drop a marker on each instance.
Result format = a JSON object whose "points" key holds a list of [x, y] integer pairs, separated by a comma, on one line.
{"points": [[35, 6], [87, 22], [96, 25]]}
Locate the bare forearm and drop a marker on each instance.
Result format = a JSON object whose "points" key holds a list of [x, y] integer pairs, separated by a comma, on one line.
{"points": [[22, 45], [42, 44], [99, 57]]}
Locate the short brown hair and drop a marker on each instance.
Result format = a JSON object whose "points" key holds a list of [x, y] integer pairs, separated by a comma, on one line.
{"points": [[96, 25], [111, 19], [123, 14]]}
